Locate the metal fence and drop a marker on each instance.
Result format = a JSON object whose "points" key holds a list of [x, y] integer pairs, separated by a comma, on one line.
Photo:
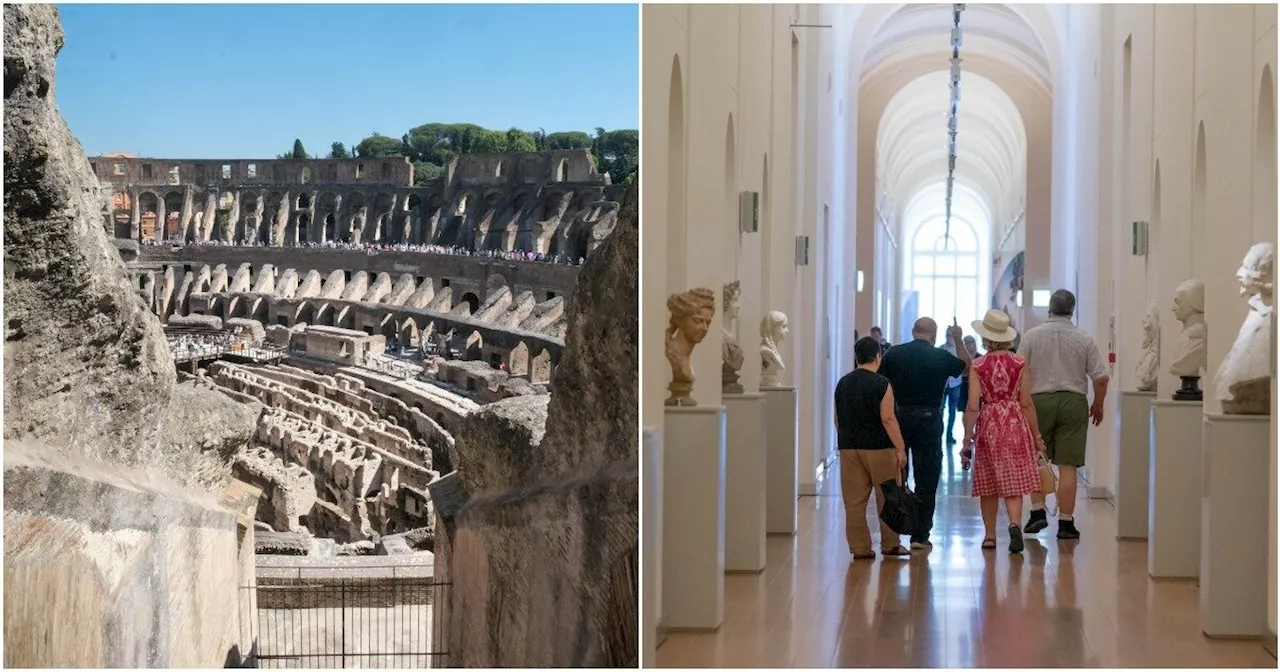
{"points": [[349, 619]]}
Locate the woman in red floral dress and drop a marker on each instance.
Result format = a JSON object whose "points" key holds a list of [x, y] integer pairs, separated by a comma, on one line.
{"points": [[1000, 429]]}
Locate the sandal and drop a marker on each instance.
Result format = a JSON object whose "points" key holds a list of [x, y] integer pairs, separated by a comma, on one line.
{"points": [[988, 543], [864, 556], [897, 551]]}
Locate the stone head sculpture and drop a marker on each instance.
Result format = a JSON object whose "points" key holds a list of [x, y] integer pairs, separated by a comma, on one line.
{"points": [[691, 314], [1243, 381], [1188, 300], [1149, 362], [732, 299], [773, 330], [1190, 353], [1256, 273], [730, 351]]}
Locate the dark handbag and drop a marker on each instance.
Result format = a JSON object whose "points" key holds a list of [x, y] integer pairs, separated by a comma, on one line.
{"points": [[901, 507]]}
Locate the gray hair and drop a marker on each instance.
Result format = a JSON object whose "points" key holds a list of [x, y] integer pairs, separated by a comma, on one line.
{"points": [[1063, 303]]}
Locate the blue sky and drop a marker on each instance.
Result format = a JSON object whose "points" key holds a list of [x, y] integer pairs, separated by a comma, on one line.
{"points": [[242, 81]]}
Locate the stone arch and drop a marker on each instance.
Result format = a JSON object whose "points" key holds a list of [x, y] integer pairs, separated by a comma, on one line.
{"points": [[474, 349], [410, 335], [540, 367], [303, 201], [269, 228], [499, 169], [122, 214], [518, 360], [346, 318], [413, 202], [471, 300], [329, 227], [304, 220], [173, 201], [149, 208], [356, 213], [306, 312], [325, 315]]}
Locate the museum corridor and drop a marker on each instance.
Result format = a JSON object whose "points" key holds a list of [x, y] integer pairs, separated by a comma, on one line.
{"points": [[819, 173], [1086, 603]]}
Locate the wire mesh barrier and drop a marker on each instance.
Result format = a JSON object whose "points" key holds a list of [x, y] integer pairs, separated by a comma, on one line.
{"points": [[342, 621]]}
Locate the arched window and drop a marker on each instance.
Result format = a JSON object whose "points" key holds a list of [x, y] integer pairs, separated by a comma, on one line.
{"points": [[944, 272]]}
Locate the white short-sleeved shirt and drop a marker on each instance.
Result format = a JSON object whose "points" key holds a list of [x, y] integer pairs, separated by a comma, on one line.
{"points": [[1061, 357]]}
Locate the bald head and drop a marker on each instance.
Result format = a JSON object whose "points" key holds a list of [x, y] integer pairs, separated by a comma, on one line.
{"points": [[925, 328]]}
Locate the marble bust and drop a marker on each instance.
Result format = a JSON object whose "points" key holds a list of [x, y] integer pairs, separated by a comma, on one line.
{"points": [[691, 314], [1149, 362], [730, 351], [1243, 382], [773, 330], [1189, 354]]}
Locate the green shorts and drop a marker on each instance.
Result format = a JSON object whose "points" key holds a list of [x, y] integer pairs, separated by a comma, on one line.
{"points": [[1064, 423]]}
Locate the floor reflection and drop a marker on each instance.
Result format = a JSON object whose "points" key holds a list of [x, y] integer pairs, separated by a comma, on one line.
{"points": [[1086, 603]]}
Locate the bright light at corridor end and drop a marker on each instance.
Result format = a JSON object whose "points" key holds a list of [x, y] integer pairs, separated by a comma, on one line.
{"points": [[1040, 298], [861, 278]]}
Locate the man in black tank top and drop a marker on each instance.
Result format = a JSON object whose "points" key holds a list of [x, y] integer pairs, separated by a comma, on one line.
{"points": [[871, 448]]}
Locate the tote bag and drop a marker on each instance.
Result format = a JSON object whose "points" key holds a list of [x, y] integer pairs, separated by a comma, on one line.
{"points": [[901, 507]]}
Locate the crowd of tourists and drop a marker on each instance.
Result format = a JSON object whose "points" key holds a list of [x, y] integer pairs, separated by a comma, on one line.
{"points": [[451, 250], [1025, 406]]}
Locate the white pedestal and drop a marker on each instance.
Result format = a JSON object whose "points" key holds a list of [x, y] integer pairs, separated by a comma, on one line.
{"points": [[651, 532], [693, 463], [1133, 477], [782, 412], [744, 482], [1173, 529], [1233, 564]]}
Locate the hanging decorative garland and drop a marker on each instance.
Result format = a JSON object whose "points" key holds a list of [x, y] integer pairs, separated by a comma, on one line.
{"points": [[957, 36]]}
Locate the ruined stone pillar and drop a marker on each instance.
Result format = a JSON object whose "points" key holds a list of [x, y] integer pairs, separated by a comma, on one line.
{"points": [[234, 231], [184, 230], [162, 221], [135, 215]]}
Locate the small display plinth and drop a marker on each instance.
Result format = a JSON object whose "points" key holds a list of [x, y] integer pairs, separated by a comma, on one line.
{"points": [[1190, 390], [1173, 527], [1133, 478], [693, 470], [1237, 495], [782, 411], [745, 483]]}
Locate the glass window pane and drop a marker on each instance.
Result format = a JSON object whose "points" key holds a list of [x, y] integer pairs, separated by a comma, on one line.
{"points": [[967, 265], [923, 264], [971, 306], [965, 239], [944, 307], [927, 234], [944, 265]]}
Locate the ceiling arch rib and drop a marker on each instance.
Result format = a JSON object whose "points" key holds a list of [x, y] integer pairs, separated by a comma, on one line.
{"points": [[911, 142]]}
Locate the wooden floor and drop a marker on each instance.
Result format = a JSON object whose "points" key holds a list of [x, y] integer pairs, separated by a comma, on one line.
{"points": [[1086, 603]]}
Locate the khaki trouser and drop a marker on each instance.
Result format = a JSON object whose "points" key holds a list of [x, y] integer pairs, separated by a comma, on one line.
{"points": [[861, 472]]}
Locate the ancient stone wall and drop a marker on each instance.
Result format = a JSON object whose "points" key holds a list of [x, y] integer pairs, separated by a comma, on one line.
{"points": [[550, 202], [120, 548], [542, 515]]}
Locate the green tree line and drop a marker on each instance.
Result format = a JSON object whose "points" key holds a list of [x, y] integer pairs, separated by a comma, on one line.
{"points": [[431, 146]]}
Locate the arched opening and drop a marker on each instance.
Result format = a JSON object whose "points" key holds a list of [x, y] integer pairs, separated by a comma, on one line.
{"points": [[475, 347], [676, 241], [1199, 206], [325, 316], [409, 335], [540, 368], [497, 170], [733, 234], [173, 214], [519, 360], [472, 301], [1264, 160], [303, 202], [306, 313], [562, 170], [303, 220], [149, 204], [944, 272], [122, 214], [326, 234], [412, 203]]}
